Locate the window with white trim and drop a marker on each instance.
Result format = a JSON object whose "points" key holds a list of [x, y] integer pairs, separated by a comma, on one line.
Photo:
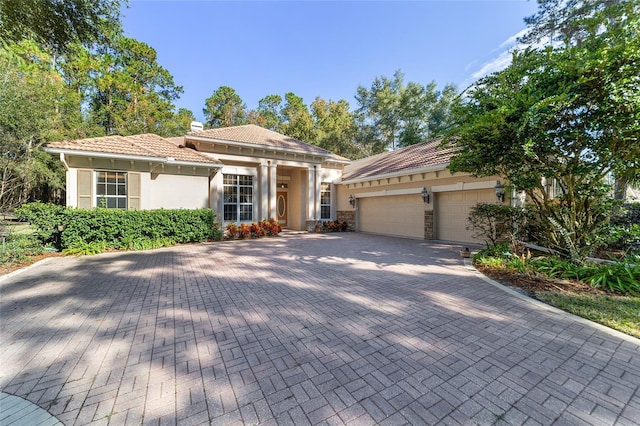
{"points": [[111, 189], [325, 200], [238, 198], [558, 192]]}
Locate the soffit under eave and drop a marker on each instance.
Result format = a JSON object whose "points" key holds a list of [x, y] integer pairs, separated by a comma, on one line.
{"points": [[158, 165]]}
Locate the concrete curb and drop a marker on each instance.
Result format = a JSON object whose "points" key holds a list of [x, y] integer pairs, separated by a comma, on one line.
{"points": [[18, 411], [469, 265], [25, 269]]}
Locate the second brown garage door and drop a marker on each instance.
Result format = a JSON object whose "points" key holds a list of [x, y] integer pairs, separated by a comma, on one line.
{"points": [[398, 215], [451, 212]]}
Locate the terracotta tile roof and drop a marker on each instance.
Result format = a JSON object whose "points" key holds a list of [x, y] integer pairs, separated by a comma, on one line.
{"points": [[145, 145], [256, 135], [413, 157]]}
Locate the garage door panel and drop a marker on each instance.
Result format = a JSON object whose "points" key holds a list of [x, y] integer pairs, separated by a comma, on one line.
{"points": [[451, 212], [401, 215]]}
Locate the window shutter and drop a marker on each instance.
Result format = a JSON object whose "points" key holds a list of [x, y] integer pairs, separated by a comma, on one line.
{"points": [[85, 189], [133, 191]]}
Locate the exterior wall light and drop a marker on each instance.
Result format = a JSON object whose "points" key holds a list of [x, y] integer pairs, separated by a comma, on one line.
{"points": [[352, 200], [499, 191], [426, 197]]}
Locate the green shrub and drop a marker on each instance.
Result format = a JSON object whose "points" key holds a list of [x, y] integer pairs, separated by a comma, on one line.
{"points": [[555, 267], [82, 248], [516, 264], [489, 262], [616, 277], [496, 223], [498, 250], [620, 277], [76, 230], [19, 247], [619, 237], [46, 219]]}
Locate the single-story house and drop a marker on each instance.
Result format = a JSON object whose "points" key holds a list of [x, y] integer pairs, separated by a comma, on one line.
{"points": [[248, 173], [245, 173]]}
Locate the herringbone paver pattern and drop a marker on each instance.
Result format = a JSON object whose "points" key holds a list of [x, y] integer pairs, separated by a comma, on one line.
{"points": [[303, 329]]}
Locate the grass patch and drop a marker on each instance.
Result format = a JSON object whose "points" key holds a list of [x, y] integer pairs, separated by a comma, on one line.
{"points": [[621, 313], [20, 228]]}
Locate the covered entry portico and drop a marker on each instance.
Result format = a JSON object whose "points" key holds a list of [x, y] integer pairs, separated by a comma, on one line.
{"points": [[268, 175]]}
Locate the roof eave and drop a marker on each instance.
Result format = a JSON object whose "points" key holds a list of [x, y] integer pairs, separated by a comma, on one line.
{"points": [[164, 160], [258, 146], [218, 165], [435, 167], [337, 161], [82, 153]]}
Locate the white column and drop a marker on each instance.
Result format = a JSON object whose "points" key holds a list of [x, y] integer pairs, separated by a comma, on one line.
{"points": [[272, 189], [334, 202], [264, 192], [72, 188], [311, 210], [216, 194], [317, 179]]}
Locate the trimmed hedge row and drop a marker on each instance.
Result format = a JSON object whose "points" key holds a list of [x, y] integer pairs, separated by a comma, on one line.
{"points": [[89, 231]]}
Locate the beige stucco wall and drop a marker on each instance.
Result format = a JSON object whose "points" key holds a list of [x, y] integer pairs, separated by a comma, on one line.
{"points": [[386, 195], [171, 186], [156, 191], [174, 191], [429, 180]]}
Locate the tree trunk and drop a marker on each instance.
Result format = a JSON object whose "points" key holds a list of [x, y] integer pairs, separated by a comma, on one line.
{"points": [[620, 188]]}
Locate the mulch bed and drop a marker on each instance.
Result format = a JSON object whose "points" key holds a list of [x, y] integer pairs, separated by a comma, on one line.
{"points": [[532, 284], [5, 269]]}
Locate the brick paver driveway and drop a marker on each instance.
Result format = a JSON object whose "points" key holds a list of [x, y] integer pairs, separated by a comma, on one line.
{"points": [[334, 329]]}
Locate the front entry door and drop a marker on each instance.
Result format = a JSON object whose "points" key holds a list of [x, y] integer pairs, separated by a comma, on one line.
{"points": [[281, 208]]}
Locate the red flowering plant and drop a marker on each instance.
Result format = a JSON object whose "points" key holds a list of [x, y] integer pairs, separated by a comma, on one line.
{"points": [[275, 227], [269, 228], [232, 230], [257, 230], [245, 230]]}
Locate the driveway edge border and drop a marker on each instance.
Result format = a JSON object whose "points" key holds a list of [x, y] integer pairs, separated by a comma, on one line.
{"points": [[469, 265], [26, 268]]}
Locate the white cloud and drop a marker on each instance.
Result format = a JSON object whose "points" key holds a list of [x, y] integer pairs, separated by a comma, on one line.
{"points": [[498, 62], [513, 39], [503, 59]]}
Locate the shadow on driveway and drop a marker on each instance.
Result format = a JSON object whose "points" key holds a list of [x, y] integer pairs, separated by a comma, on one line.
{"points": [[311, 328]]}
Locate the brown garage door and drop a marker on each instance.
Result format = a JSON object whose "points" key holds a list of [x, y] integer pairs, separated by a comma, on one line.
{"points": [[398, 215], [451, 212]]}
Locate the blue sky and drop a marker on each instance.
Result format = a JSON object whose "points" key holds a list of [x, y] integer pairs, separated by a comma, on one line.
{"points": [[322, 48]]}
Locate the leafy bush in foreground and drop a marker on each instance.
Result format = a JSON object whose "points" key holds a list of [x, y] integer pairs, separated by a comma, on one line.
{"points": [[620, 277], [18, 248], [79, 231]]}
